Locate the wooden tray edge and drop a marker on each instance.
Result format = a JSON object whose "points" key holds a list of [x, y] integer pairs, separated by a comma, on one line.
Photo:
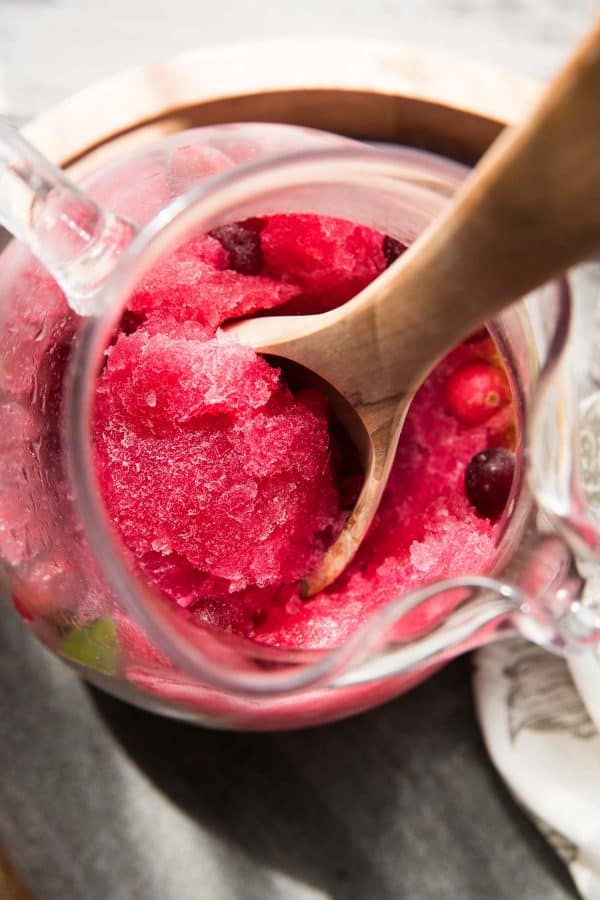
{"points": [[130, 100]]}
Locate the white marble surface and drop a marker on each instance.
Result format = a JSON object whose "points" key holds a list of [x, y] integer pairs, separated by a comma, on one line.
{"points": [[107, 803], [50, 48]]}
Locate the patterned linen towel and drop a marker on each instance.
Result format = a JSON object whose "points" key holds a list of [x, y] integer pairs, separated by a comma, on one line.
{"points": [[546, 746]]}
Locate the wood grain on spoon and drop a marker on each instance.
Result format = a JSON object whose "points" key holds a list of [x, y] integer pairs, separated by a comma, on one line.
{"points": [[528, 211]]}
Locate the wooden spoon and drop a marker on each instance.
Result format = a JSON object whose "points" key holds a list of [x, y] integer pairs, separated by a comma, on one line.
{"points": [[529, 210]]}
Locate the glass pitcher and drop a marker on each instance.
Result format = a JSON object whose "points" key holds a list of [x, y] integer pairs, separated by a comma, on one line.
{"points": [[65, 570]]}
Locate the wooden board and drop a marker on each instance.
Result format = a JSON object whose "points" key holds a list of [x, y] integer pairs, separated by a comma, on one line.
{"points": [[11, 886], [374, 90]]}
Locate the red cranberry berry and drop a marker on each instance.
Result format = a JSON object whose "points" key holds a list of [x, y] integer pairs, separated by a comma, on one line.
{"points": [[392, 249], [131, 321], [242, 242], [488, 480], [475, 392]]}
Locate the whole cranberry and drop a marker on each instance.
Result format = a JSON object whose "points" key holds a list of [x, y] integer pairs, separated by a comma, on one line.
{"points": [[475, 392], [488, 480], [242, 242], [392, 249]]}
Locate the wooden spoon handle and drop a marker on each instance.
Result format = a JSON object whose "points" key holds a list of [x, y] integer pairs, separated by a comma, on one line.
{"points": [[529, 211]]}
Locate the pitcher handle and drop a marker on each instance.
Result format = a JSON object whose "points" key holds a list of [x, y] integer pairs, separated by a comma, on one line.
{"points": [[547, 608], [75, 238]]}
